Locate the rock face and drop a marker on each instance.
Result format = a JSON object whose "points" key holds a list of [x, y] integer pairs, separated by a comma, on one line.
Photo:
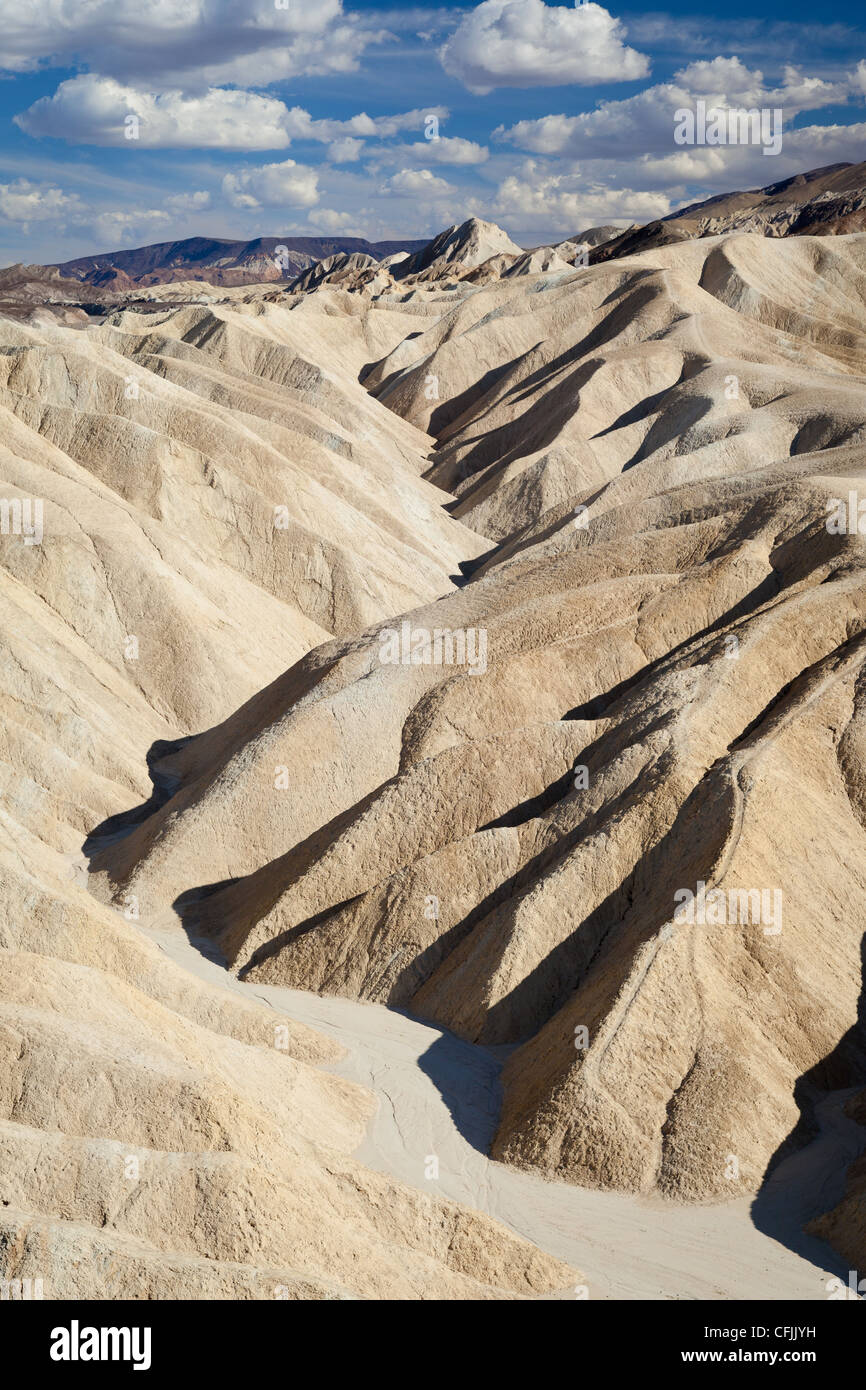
{"points": [[669, 702], [342, 269], [26, 290], [781, 208], [216, 494], [162, 1137], [458, 249], [547, 724], [823, 202]]}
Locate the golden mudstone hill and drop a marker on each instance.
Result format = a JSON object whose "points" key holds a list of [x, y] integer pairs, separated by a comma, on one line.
{"points": [[162, 1137], [599, 498], [664, 688]]}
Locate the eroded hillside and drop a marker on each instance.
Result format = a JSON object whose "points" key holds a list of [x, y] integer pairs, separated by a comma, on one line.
{"points": [[612, 484]]}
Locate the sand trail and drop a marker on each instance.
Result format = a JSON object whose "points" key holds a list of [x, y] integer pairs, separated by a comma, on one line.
{"points": [[438, 1096]]}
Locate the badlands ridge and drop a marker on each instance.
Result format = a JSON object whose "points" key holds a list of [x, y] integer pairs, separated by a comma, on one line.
{"points": [[619, 477]]}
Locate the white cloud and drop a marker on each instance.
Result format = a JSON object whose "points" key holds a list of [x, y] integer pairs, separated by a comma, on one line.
{"points": [[742, 86], [858, 81], [455, 150], [814, 145], [644, 123], [184, 42], [446, 150], [544, 135], [616, 162], [273, 185], [525, 43], [94, 110], [328, 220], [386, 126], [127, 224], [613, 179], [345, 151], [57, 212], [568, 204], [300, 125], [25, 202], [188, 202], [412, 182]]}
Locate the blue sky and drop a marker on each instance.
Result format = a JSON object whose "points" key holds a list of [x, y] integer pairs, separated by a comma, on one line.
{"points": [[286, 117]]}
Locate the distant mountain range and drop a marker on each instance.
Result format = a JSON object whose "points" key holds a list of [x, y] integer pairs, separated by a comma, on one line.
{"points": [[221, 262], [821, 202]]}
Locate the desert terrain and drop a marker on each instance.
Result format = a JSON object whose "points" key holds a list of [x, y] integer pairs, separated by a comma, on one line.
{"points": [[339, 963]]}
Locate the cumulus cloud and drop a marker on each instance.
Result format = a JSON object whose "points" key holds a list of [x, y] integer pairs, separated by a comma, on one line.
{"points": [[94, 110], [815, 145], [328, 220], [454, 150], [743, 86], [188, 202], [525, 43], [125, 224], [444, 150], [719, 169], [300, 125], [644, 123], [345, 151], [568, 204], [25, 202], [412, 182], [386, 126], [184, 42], [29, 205], [273, 185]]}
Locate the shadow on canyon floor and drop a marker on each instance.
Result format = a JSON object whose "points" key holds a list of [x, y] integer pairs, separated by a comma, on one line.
{"points": [[805, 1177], [807, 1174]]}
